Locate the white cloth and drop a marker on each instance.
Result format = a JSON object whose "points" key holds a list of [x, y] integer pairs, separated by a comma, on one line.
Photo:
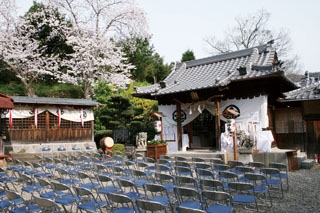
{"points": [[185, 141], [264, 141]]}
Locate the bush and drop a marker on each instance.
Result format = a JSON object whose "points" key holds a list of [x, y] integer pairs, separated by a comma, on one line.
{"points": [[118, 147]]}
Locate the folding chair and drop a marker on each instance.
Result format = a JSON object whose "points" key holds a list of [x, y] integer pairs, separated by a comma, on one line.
{"points": [[217, 201], [273, 180], [226, 177], [19, 204], [67, 176], [243, 194], [139, 178], [64, 195], [88, 201], [188, 197], [87, 182], [29, 185], [220, 167], [129, 189], [5, 179], [283, 173], [148, 205], [168, 181], [261, 188], [106, 185], [158, 193], [148, 169], [161, 168], [121, 203]]}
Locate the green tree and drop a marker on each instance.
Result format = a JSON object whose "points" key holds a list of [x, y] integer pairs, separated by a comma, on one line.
{"points": [[149, 66], [188, 56]]}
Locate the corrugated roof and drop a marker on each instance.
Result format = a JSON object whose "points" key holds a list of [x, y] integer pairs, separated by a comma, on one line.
{"points": [[307, 93], [54, 101], [215, 71]]}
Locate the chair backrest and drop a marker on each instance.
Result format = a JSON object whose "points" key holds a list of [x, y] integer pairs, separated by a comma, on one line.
{"points": [[182, 163], [154, 188], [280, 166], [119, 199], [234, 163], [127, 185], [149, 160], [12, 195], [138, 174], [148, 205], [186, 193], [83, 192], [241, 187], [202, 165], [216, 161], [255, 177], [60, 186], [271, 172], [198, 160], [256, 164], [180, 158], [243, 169], [221, 167], [217, 197], [204, 174], [163, 169], [186, 181], [46, 205], [164, 178], [184, 171], [211, 184], [43, 182], [182, 209], [228, 176]]}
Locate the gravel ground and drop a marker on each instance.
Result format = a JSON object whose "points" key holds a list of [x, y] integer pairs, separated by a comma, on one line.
{"points": [[303, 194]]}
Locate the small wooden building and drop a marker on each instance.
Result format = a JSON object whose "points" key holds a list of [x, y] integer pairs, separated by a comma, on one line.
{"points": [[298, 118], [37, 122], [195, 94]]}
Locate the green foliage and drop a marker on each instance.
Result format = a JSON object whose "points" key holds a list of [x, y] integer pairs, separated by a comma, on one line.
{"points": [[156, 141], [188, 56], [149, 65], [118, 147]]}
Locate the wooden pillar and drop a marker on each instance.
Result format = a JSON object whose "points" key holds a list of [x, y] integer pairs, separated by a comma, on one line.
{"points": [[217, 124], [179, 126]]}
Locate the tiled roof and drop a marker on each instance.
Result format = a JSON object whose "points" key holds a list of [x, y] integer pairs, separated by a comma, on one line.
{"points": [[54, 101], [215, 71], [307, 93]]}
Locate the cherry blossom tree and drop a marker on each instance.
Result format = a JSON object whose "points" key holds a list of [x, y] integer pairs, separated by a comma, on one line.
{"points": [[22, 52], [97, 26]]}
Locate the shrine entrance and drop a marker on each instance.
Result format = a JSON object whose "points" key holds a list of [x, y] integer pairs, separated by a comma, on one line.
{"points": [[201, 131]]}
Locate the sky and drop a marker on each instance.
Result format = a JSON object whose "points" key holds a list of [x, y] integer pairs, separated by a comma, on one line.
{"points": [[180, 25]]}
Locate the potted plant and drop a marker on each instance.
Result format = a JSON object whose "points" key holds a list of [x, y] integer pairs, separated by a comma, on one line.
{"points": [[156, 148]]}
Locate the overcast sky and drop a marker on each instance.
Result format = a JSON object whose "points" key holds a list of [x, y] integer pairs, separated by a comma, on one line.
{"points": [[179, 25]]}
